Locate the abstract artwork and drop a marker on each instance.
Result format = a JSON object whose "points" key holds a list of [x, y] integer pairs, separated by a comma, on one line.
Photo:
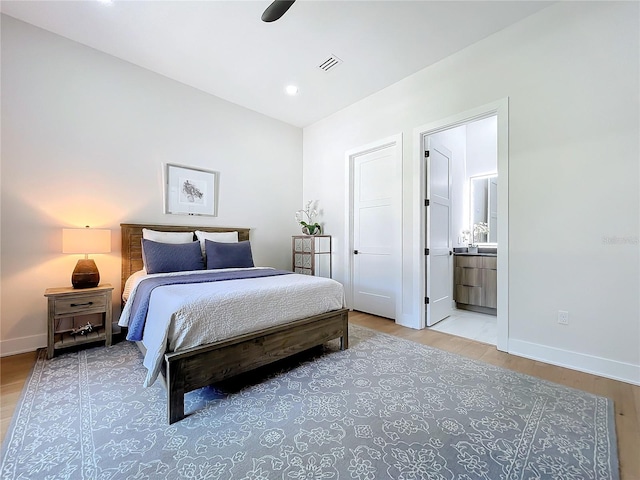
{"points": [[190, 191]]}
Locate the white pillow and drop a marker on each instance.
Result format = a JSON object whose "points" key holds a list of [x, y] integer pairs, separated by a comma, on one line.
{"points": [[221, 237], [167, 237], [131, 282]]}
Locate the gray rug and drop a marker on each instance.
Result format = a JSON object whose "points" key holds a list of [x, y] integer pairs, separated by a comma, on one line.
{"points": [[385, 408]]}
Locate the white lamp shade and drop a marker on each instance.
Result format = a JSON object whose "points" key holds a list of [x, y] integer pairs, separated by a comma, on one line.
{"points": [[86, 240]]}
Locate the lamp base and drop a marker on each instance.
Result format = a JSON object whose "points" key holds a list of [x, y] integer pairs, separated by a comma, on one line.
{"points": [[85, 275]]}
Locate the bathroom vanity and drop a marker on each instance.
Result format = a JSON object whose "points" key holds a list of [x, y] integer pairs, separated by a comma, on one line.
{"points": [[475, 280], [475, 277]]}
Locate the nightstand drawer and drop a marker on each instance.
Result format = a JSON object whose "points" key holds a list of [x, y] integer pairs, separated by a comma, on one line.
{"points": [[81, 305]]}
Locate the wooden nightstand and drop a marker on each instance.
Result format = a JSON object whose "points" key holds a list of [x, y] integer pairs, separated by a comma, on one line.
{"points": [[311, 255], [67, 302]]}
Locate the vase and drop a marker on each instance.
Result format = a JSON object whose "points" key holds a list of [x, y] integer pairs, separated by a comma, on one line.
{"points": [[311, 230]]}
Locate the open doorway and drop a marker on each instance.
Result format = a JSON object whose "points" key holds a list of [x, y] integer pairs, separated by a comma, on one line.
{"points": [[461, 232], [471, 282]]}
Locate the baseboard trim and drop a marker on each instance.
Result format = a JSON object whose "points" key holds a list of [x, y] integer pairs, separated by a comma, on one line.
{"points": [[14, 346], [604, 367]]}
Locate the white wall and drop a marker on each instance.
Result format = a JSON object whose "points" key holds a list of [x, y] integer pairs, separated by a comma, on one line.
{"points": [[482, 159], [84, 137], [571, 73], [482, 148]]}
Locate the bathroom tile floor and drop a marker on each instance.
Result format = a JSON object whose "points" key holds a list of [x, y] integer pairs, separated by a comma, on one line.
{"points": [[463, 323]]}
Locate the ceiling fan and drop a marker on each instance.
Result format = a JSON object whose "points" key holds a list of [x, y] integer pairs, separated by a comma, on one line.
{"points": [[276, 10]]}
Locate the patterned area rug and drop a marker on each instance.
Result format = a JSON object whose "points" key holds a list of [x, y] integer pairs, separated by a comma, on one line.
{"points": [[385, 408]]}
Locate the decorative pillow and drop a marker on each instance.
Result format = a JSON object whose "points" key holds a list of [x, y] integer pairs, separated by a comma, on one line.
{"points": [[228, 255], [167, 237], [171, 257], [221, 237]]}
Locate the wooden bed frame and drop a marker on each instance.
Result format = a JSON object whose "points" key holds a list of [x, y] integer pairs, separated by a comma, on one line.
{"points": [[197, 367]]}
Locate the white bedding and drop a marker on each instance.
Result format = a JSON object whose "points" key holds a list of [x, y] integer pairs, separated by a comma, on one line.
{"points": [[189, 315]]}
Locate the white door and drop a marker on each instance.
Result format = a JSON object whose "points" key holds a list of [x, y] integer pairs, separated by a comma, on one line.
{"points": [[376, 230], [439, 278]]}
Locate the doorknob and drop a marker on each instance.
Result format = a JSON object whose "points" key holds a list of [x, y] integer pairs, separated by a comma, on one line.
{"points": [[450, 252], [355, 252]]}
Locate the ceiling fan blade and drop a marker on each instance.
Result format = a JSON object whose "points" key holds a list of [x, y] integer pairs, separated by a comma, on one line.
{"points": [[276, 10]]}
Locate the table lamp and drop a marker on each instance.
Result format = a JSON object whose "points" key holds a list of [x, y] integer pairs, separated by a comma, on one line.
{"points": [[86, 240]]}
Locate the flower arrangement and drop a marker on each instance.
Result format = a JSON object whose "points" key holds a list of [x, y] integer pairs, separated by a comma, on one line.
{"points": [[305, 218], [480, 228]]}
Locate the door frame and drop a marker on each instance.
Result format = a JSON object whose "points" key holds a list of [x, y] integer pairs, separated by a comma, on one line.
{"points": [[500, 109], [350, 156]]}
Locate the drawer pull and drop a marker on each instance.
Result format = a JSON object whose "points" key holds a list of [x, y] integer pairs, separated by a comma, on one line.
{"points": [[81, 304]]}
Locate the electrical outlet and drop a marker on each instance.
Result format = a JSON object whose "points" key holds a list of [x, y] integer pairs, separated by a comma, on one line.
{"points": [[563, 317]]}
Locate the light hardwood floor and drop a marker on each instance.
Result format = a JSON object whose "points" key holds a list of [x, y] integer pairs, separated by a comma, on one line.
{"points": [[15, 369]]}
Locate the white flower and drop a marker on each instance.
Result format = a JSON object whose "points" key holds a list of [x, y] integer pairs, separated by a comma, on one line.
{"points": [[305, 217], [480, 227]]}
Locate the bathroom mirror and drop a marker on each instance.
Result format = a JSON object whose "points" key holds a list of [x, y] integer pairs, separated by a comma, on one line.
{"points": [[483, 207]]}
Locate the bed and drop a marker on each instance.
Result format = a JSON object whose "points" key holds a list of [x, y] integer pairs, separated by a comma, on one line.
{"points": [[196, 367]]}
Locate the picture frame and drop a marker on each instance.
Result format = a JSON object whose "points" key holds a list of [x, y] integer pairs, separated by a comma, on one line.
{"points": [[190, 190]]}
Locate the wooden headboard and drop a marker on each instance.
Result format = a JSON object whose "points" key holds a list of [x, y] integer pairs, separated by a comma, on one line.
{"points": [[131, 234]]}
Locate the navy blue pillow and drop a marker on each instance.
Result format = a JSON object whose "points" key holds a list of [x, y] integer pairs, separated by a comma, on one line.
{"points": [[228, 255], [171, 257]]}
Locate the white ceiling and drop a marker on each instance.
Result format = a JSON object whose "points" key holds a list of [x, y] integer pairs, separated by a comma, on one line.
{"points": [[223, 48]]}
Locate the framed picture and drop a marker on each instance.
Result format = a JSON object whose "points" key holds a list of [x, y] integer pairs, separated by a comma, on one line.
{"points": [[190, 191]]}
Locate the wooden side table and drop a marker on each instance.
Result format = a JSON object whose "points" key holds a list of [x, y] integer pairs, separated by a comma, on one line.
{"points": [[311, 255], [66, 302]]}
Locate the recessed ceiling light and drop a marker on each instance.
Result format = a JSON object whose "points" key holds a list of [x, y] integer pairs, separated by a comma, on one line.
{"points": [[106, 2], [291, 90]]}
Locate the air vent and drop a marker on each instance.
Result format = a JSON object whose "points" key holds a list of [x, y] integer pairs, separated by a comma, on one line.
{"points": [[330, 63]]}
